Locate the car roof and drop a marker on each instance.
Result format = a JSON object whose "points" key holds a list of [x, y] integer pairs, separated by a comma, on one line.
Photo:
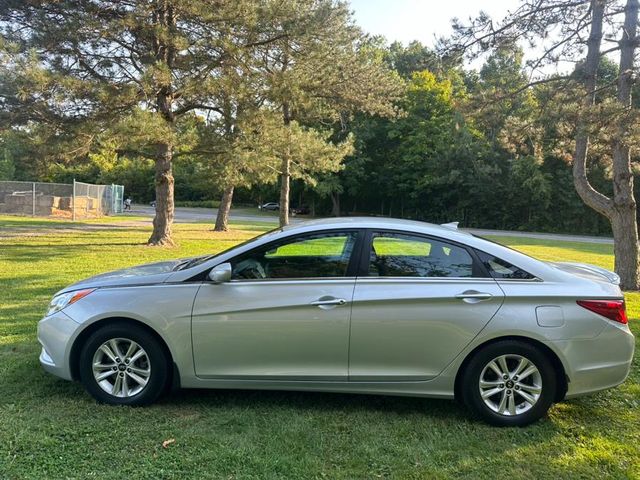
{"points": [[376, 222]]}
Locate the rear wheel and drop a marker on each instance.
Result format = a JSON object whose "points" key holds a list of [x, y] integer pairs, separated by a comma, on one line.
{"points": [[122, 364], [509, 383]]}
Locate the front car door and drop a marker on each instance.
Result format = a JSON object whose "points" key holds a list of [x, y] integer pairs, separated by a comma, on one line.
{"points": [[285, 314], [419, 302]]}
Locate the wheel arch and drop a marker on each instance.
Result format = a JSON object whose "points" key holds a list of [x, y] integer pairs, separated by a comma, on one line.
{"points": [[76, 348], [562, 379]]}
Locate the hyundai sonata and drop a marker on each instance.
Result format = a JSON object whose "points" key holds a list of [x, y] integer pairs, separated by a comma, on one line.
{"points": [[359, 305]]}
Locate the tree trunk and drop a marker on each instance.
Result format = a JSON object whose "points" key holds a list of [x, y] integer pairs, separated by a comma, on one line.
{"points": [[589, 195], [285, 175], [222, 219], [621, 210], [285, 178], [623, 221], [164, 15], [335, 204], [164, 198], [625, 247]]}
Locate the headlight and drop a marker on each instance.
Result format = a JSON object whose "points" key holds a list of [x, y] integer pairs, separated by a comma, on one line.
{"points": [[64, 299]]}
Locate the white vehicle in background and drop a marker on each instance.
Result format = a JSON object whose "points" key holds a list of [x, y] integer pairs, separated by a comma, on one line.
{"points": [[270, 206]]}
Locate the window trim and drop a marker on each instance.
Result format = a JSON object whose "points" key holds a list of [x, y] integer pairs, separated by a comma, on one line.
{"points": [[478, 270], [351, 266]]}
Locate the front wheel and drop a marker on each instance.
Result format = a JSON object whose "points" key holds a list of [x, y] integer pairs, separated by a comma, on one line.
{"points": [[509, 383], [122, 364]]}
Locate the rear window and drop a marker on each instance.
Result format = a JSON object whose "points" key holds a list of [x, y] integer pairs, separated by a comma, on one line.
{"points": [[499, 268]]}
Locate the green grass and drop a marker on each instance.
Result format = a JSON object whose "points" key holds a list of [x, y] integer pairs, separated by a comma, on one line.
{"points": [[50, 428]]}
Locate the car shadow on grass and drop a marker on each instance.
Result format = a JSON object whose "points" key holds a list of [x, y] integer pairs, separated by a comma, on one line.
{"points": [[313, 402]]}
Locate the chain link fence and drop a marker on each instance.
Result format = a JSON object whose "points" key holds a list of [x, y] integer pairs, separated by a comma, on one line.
{"points": [[74, 201]]}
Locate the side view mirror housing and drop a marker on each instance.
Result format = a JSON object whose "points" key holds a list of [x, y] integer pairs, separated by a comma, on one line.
{"points": [[220, 273]]}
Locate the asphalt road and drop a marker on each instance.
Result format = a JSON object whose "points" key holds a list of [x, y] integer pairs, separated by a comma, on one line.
{"points": [[186, 215]]}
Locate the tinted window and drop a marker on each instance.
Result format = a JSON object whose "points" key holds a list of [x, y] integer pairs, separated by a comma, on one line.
{"points": [[320, 255], [499, 268], [401, 255]]}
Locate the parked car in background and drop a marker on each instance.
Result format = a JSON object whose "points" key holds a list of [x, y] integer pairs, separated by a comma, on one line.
{"points": [[363, 305], [270, 206], [301, 210]]}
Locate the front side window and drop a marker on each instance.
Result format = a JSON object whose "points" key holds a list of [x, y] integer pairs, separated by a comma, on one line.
{"points": [[402, 255], [309, 256]]}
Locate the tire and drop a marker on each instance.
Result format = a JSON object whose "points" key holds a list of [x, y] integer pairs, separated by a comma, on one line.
{"points": [[143, 376], [517, 400]]}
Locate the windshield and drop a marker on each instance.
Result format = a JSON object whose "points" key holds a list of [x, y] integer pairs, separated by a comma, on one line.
{"points": [[194, 262]]}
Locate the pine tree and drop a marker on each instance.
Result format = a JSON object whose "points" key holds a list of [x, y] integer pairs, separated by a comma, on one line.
{"points": [[85, 64], [321, 68]]}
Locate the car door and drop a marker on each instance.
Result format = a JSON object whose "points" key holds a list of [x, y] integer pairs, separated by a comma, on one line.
{"points": [[418, 303], [285, 314]]}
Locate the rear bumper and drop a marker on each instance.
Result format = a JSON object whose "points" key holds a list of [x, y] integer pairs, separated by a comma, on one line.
{"points": [[55, 334], [599, 363]]}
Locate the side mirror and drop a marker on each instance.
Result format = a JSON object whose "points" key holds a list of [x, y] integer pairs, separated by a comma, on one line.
{"points": [[220, 273]]}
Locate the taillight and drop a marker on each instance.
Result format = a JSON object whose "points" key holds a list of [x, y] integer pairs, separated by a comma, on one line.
{"points": [[612, 309]]}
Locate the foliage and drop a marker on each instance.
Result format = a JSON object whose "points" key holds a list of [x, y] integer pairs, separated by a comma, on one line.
{"points": [[364, 127], [603, 115], [310, 151], [198, 203]]}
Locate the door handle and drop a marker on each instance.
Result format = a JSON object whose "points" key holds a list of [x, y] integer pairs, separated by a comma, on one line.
{"points": [[329, 301], [474, 295]]}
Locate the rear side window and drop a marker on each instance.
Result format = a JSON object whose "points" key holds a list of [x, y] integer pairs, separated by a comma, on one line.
{"points": [[499, 268], [402, 255]]}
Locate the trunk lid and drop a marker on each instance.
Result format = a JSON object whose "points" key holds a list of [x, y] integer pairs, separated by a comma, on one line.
{"points": [[586, 270]]}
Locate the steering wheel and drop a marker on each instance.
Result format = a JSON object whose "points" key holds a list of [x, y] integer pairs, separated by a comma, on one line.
{"points": [[249, 269]]}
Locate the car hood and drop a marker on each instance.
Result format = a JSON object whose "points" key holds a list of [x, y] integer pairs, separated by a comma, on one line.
{"points": [[586, 270], [139, 275]]}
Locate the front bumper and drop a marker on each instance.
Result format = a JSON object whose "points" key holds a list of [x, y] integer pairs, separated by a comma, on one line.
{"points": [[598, 363], [55, 334]]}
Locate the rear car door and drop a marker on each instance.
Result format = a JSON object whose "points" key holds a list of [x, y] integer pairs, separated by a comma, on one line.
{"points": [[419, 302], [285, 314]]}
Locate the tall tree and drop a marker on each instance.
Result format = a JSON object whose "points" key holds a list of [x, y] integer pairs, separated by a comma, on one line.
{"points": [[321, 69], [81, 62], [265, 141], [563, 29]]}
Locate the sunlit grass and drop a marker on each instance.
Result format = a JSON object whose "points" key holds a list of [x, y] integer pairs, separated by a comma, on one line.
{"points": [[50, 428]]}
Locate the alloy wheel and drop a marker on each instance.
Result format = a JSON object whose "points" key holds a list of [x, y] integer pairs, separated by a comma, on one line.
{"points": [[510, 385], [121, 367]]}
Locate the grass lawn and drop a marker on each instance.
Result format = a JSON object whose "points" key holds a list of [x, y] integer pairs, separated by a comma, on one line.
{"points": [[50, 428]]}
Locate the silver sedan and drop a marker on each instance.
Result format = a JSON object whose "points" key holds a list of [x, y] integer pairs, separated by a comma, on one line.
{"points": [[359, 305]]}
